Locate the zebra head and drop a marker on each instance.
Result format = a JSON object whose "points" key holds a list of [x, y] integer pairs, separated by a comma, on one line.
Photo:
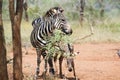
{"points": [[61, 23]]}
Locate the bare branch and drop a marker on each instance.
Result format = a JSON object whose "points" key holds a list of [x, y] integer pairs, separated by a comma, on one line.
{"points": [[86, 36]]}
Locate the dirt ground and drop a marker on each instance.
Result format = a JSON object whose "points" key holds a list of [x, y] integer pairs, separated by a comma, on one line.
{"points": [[96, 61]]}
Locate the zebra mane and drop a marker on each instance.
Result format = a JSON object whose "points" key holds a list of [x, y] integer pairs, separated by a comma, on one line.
{"points": [[52, 12]]}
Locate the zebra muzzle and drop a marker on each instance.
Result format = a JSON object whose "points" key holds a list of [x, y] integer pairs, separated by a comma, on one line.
{"points": [[70, 69], [67, 32]]}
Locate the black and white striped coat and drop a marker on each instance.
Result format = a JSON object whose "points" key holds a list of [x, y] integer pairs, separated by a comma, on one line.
{"points": [[44, 28]]}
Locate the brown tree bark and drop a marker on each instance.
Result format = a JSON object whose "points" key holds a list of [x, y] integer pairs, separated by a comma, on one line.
{"points": [[16, 17], [25, 7], [82, 5], [3, 60]]}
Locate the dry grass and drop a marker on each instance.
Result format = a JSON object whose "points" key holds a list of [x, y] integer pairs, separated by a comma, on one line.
{"points": [[104, 31]]}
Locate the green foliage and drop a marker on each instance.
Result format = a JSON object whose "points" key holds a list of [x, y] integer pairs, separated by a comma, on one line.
{"points": [[92, 8], [55, 42], [34, 11]]}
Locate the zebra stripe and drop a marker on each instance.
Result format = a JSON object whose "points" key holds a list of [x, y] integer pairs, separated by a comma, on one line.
{"points": [[46, 28], [36, 22], [49, 14]]}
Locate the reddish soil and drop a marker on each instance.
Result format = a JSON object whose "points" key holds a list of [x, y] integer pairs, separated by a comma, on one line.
{"points": [[96, 61]]}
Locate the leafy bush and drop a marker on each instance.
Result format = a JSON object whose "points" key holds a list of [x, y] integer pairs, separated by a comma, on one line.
{"points": [[55, 43]]}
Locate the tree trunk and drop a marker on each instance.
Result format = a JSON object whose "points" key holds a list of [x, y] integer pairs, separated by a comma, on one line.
{"points": [[16, 16], [82, 5], [17, 51], [3, 60], [25, 7], [101, 8]]}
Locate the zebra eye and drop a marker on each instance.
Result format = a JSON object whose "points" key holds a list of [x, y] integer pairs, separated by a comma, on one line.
{"points": [[63, 19]]}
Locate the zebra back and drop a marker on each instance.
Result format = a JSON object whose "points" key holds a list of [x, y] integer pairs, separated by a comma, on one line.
{"points": [[48, 15]]}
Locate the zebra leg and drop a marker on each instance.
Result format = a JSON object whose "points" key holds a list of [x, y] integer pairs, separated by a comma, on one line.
{"points": [[45, 65], [73, 65], [38, 61], [43, 53], [55, 63], [45, 69], [51, 69], [60, 66], [74, 73]]}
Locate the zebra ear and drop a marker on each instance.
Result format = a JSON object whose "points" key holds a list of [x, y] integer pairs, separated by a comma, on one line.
{"points": [[61, 10], [54, 10]]}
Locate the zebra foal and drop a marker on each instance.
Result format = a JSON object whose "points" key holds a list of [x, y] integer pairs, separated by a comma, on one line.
{"points": [[67, 53], [44, 27]]}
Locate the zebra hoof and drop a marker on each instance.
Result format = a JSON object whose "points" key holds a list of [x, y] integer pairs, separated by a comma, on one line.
{"points": [[51, 71], [37, 73]]}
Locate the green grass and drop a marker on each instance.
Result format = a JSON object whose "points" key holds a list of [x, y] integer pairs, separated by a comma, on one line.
{"points": [[26, 29]]}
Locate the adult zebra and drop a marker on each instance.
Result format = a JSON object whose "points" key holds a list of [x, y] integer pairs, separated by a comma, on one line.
{"points": [[53, 19]]}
